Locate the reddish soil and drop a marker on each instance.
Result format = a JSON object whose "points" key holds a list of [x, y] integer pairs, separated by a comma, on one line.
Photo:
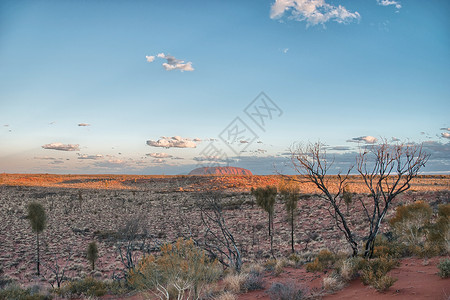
{"points": [[417, 279]]}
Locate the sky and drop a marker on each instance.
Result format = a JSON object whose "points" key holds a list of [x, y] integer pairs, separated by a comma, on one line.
{"points": [[163, 87]]}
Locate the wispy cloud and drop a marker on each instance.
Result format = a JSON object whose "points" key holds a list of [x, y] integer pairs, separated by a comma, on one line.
{"points": [[448, 128], [172, 63], [159, 155], [366, 139], [389, 2], [62, 147], [158, 161], [84, 124], [314, 12], [92, 157], [172, 142]]}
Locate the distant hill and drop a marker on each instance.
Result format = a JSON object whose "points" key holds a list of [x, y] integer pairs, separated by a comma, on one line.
{"points": [[220, 171]]}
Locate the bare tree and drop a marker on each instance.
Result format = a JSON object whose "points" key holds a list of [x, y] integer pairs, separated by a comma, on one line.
{"points": [[311, 161], [387, 171], [217, 239], [58, 268]]}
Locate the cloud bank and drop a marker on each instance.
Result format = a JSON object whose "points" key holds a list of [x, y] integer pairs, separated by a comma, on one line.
{"points": [[172, 142], [62, 147], [314, 12], [159, 155]]}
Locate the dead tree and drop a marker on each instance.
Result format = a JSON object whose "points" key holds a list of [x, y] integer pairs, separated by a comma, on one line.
{"points": [[311, 161], [387, 171], [58, 268], [290, 195], [217, 239]]}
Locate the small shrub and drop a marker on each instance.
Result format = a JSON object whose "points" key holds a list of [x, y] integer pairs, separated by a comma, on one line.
{"points": [[17, 293], [84, 287], [348, 269], [226, 296], [281, 263], [438, 238], [254, 281], [333, 283], [286, 291], [383, 283], [235, 283], [444, 268], [324, 260], [270, 264], [374, 273]]}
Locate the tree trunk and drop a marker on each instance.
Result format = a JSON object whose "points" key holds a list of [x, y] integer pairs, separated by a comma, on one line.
{"points": [[292, 232], [271, 234], [37, 251]]}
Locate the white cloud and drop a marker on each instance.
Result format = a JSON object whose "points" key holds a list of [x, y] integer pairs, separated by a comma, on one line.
{"points": [[93, 157], [62, 147], [212, 158], [84, 124], [285, 50], [172, 63], [389, 2], [172, 142], [367, 139], [445, 135], [314, 12], [159, 155], [159, 161]]}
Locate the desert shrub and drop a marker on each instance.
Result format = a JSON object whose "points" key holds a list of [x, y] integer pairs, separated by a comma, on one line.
{"points": [[295, 258], [374, 272], [85, 287], [444, 268], [181, 267], [409, 224], [324, 260], [254, 281], [92, 253], [226, 296], [333, 283], [270, 265], [389, 248], [438, 238], [235, 283], [279, 266], [15, 292], [286, 291], [348, 268], [253, 268]]}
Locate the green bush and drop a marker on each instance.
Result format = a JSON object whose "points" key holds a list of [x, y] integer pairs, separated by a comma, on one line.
{"points": [[410, 224], [17, 293], [182, 267], [444, 268], [438, 238], [85, 287], [374, 272], [324, 260]]}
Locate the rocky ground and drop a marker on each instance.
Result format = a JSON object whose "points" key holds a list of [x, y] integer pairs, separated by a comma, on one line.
{"points": [[84, 208]]}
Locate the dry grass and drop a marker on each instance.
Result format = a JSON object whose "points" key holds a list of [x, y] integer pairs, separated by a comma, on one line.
{"points": [[226, 296], [235, 282]]}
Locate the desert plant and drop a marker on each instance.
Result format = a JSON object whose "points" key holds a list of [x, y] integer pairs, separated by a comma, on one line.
{"points": [[92, 253], [290, 195], [444, 268], [374, 272], [438, 233], [38, 221], [286, 291], [254, 281], [265, 198], [85, 287], [324, 260], [182, 267], [17, 293], [333, 283], [410, 222], [235, 283]]}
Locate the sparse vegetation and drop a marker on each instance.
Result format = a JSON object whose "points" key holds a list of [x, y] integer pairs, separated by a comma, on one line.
{"points": [[38, 221], [286, 291], [444, 268]]}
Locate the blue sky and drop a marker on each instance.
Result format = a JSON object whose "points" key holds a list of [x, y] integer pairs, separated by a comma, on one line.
{"points": [[337, 70]]}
